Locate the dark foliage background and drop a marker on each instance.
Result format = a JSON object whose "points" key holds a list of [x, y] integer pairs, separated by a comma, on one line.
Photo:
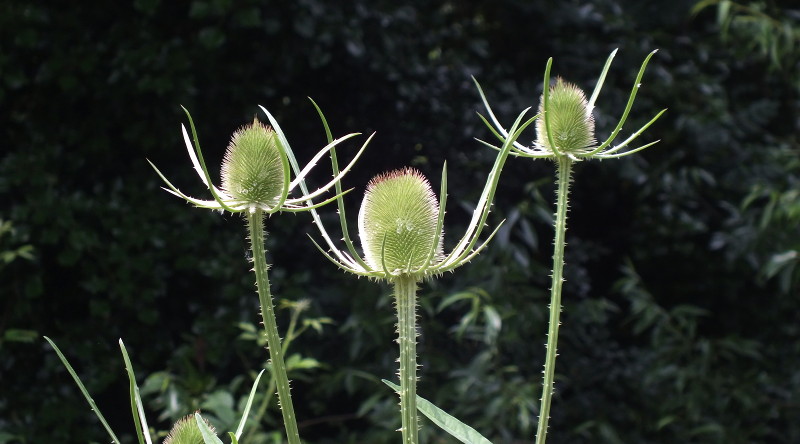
{"points": [[681, 302]]}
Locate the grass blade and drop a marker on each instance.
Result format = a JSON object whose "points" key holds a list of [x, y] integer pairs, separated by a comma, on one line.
{"points": [[247, 407], [84, 391], [139, 420]]}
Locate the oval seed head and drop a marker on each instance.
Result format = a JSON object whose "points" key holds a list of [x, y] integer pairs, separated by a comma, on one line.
{"points": [[252, 170], [570, 119], [185, 431], [397, 222]]}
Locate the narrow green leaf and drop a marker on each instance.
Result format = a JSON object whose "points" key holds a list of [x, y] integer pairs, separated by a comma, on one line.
{"points": [[92, 404], [247, 408], [445, 421], [208, 436], [139, 420]]}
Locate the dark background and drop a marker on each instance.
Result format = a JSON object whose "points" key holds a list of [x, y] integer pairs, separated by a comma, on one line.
{"points": [[680, 318]]}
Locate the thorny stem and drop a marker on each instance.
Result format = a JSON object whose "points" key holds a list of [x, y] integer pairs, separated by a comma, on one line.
{"points": [[255, 224], [564, 173], [405, 293]]}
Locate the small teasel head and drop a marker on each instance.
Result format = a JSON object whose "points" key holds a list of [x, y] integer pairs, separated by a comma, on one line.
{"points": [[570, 120], [398, 223], [185, 431], [252, 170]]}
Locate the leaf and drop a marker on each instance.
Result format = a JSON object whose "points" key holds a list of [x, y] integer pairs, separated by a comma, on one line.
{"points": [[92, 404], [20, 335], [247, 409], [208, 436], [445, 421], [139, 419]]}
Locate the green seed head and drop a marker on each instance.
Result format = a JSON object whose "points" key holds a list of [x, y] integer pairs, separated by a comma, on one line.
{"points": [[185, 431], [252, 170], [571, 120], [397, 222]]}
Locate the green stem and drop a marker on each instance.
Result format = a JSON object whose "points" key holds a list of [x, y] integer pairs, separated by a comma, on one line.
{"points": [[405, 293], [564, 173], [255, 224]]}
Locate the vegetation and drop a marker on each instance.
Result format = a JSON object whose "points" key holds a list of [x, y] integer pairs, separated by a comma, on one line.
{"points": [[680, 319]]}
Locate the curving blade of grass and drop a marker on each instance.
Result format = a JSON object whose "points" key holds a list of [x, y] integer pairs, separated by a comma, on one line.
{"points": [[89, 399], [139, 420]]}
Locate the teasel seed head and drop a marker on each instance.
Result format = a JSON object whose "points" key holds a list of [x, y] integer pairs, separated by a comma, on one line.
{"points": [[571, 120], [252, 170], [398, 221], [185, 431]]}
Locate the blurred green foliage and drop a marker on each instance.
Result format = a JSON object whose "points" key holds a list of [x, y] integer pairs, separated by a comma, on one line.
{"points": [[681, 311]]}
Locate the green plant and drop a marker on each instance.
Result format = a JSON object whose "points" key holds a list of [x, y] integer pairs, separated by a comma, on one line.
{"points": [[184, 387], [400, 226], [565, 134], [760, 27], [256, 181]]}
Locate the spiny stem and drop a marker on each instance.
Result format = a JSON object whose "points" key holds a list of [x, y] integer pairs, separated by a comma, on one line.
{"points": [[255, 224], [405, 293], [564, 173]]}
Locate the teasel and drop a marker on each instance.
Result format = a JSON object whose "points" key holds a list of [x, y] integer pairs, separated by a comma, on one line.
{"points": [[565, 134], [400, 226], [256, 181], [186, 431]]}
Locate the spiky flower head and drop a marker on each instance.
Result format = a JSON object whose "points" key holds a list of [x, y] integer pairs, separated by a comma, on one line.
{"points": [[397, 222], [186, 431], [252, 170], [565, 126], [571, 121], [256, 171]]}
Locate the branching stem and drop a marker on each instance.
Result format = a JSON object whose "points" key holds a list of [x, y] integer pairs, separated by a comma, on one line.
{"points": [[405, 293], [564, 177], [255, 224]]}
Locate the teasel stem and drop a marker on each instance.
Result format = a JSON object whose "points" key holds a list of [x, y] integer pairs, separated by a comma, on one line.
{"points": [[255, 224], [405, 293], [562, 202]]}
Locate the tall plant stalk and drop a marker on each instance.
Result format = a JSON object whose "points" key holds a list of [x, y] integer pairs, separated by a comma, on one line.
{"points": [[255, 224], [564, 174], [565, 133], [405, 293]]}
